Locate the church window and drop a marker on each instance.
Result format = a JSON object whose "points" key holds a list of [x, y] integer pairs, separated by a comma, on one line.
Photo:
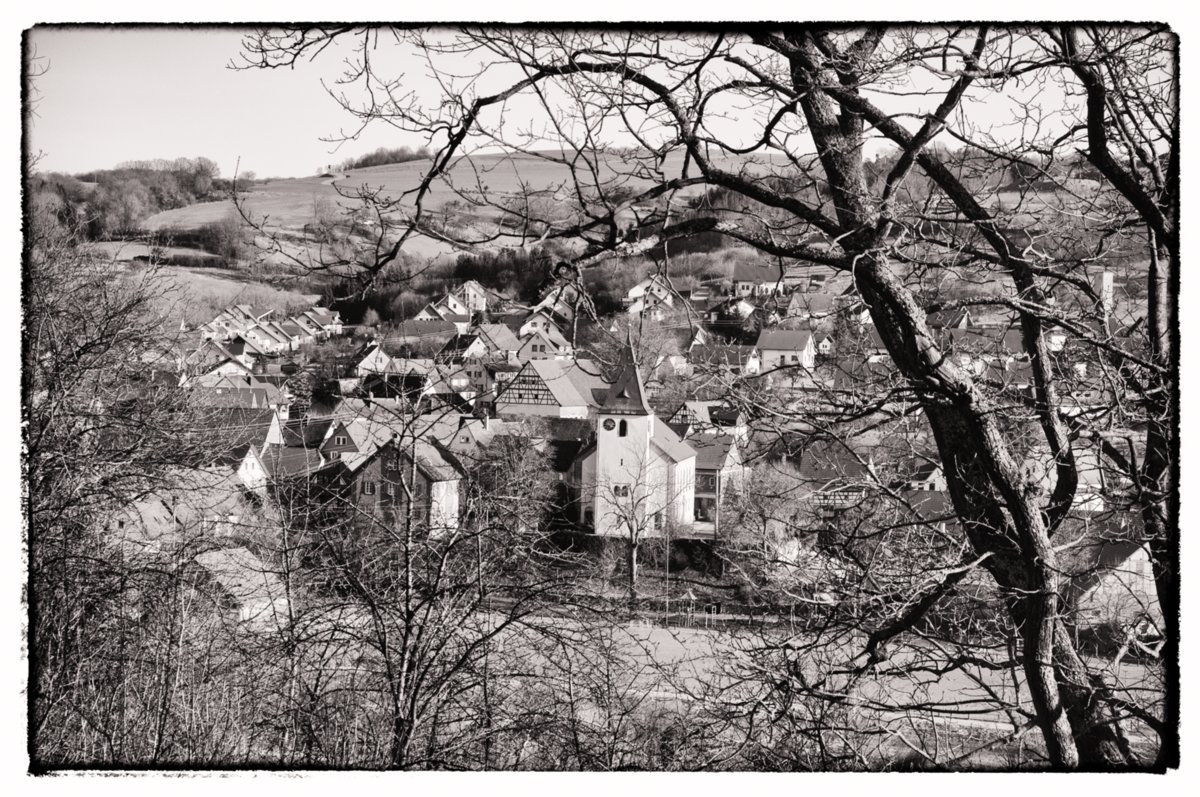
{"points": [[623, 429]]}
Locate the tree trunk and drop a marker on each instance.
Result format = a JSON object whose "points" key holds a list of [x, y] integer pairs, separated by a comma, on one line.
{"points": [[632, 564]]}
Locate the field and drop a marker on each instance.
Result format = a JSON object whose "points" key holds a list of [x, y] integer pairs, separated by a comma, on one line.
{"points": [[292, 203], [194, 296]]}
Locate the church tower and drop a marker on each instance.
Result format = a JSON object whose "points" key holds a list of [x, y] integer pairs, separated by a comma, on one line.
{"points": [[624, 428]]}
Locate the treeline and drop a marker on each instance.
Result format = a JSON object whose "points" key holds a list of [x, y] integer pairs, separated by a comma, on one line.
{"points": [[384, 156], [113, 203]]}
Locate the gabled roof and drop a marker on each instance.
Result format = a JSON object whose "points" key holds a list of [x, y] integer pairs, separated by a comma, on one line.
{"points": [[712, 451], [627, 394], [323, 315], [239, 345], [306, 323], [671, 444], [785, 339], [499, 337], [708, 413], [300, 432], [235, 429], [573, 383], [757, 272], [941, 319], [288, 461], [457, 345], [375, 428]]}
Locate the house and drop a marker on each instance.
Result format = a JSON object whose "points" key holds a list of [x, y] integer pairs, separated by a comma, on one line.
{"points": [[553, 388], [297, 333], [541, 320], [502, 342], [919, 474], [720, 473], [730, 310], [451, 305], [377, 465], [650, 295], [371, 359], [238, 390], [224, 433], [638, 476], [243, 588], [233, 320], [757, 279], [430, 312], [413, 331], [545, 344], [462, 348], [214, 359], [267, 338], [651, 306], [782, 348], [192, 504], [310, 327], [472, 296], [559, 301], [710, 418], [719, 359], [950, 319], [834, 475], [330, 321]]}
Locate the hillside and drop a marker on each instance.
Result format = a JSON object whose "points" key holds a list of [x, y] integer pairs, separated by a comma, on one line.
{"points": [[292, 203]]}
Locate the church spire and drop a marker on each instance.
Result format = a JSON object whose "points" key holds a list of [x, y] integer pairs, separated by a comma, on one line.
{"points": [[627, 396]]}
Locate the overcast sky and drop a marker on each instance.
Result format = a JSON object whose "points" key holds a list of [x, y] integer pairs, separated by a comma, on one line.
{"points": [[114, 94]]}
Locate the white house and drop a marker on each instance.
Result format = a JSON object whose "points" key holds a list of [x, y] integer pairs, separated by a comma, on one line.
{"points": [[787, 347], [539, 320], [544, 344]]}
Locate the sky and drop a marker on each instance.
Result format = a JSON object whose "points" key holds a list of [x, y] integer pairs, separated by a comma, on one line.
{"points": [[112, 94], [118, 94]]}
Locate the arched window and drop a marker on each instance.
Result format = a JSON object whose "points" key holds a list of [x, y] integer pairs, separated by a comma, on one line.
{"points": [[622, 429]]}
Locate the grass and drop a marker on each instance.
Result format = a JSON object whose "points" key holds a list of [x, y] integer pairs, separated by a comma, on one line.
{"points": [[195, 296], [292, 203]]}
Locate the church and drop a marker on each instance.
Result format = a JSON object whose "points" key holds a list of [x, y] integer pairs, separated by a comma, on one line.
{"points": [[637, 477]]}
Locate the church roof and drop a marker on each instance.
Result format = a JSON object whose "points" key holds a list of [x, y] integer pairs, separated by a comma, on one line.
{"points": [[666, 440], [627, 396]]}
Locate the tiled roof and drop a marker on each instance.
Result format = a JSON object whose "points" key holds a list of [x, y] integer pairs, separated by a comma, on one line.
{"points": [[670, 443], [712, 451], [785, 339], [627, 394], [573, 383]]}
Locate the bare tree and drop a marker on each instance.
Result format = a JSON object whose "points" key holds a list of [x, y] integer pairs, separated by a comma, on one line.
{"points": [[809, 100]]}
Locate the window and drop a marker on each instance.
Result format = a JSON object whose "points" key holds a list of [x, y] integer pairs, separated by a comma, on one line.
{"points": [[335, 455], [622, 429], [368, 488], [621, 490], [795, 358], [339, 440], [391, 491]]}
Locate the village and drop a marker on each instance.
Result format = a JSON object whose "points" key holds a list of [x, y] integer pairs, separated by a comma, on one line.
{"points": [[653, 444]]}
